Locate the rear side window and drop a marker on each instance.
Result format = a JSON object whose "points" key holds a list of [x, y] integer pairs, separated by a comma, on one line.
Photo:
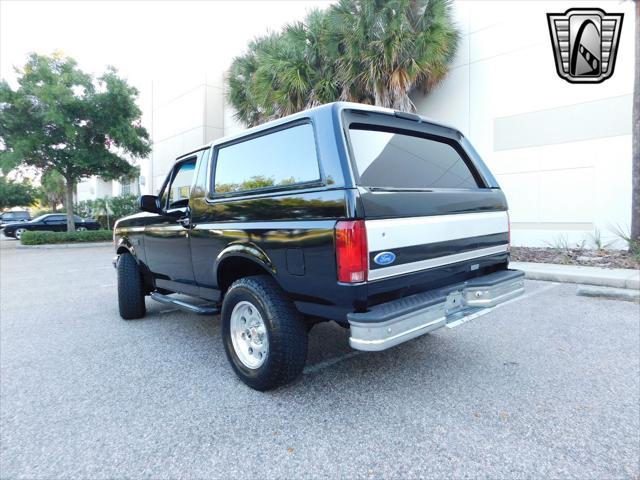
{"points": [[401, 160], [279, 159]]}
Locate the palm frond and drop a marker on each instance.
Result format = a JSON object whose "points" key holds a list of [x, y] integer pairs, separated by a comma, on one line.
{"points": [[368, 51]]}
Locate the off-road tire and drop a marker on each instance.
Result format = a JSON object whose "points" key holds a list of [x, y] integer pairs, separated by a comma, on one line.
{"points": [[130, 288], [286, 331]]}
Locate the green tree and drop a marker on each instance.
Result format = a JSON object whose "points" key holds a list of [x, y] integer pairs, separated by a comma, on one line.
{"points": [[62, 118], [367, 51], [108, 209], [15, 194], [52, 189]]}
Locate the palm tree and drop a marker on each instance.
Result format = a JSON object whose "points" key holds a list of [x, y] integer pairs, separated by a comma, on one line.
{"points": [[390, 48], [368, 51], [239, 87], [52, 189]]}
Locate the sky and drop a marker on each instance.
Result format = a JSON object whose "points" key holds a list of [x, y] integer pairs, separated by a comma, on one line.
{"points": [[144, 40]]}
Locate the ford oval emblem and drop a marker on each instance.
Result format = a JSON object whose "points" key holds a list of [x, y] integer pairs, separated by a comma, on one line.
{"points": [[385, 258]]}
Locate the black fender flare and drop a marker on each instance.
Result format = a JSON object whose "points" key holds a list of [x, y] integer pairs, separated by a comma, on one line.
{"points": [[246, 250]]}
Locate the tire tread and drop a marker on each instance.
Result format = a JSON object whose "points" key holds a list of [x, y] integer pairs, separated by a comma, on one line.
{"points": [[130, 288], [288, 338]]}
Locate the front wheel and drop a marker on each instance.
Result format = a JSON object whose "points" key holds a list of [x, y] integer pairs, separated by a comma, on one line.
{"points": [[130, 288], [264, 336], [19, 233], [81, 229]]}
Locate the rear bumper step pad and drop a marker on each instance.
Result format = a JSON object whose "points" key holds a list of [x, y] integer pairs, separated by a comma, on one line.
{"points": [[395, 322]]}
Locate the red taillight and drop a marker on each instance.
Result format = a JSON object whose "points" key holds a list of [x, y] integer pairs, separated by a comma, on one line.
{"points": [[351, 251]]}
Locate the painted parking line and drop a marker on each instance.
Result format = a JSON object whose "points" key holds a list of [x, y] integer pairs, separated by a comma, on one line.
{"points": [[316, 367]]}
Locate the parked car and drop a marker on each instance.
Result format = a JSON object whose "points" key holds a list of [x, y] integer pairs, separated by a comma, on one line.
{"points": [[50, 222], [384, 222], [14, 216]]}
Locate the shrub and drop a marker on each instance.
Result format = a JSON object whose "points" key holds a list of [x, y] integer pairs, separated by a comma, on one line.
{"points": [[41, 238], [632, 244], [108, 209]]}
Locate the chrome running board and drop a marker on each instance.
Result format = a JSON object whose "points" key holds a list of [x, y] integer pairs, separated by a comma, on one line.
{"points": [[181, 304]]}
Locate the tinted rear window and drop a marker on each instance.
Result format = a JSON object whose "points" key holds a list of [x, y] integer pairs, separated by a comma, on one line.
{"points": [[282, 158], [399, 160]]}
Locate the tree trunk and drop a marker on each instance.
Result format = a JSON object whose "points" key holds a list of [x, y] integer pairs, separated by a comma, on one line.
{"points": [[71, 226], [635, 132]]}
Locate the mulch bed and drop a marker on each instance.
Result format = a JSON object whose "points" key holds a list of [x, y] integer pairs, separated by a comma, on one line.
{"points": [[576, 256]]}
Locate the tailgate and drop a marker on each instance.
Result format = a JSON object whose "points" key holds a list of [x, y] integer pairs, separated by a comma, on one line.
{"points": [[419, 243], [434, 214], [420, 249]]}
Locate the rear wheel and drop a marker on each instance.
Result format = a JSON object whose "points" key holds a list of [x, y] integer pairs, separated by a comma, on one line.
{"points": [[81, 229], [130, 288], [264, 336]]}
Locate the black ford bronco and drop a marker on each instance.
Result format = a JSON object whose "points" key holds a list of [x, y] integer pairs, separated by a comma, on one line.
{"points": [[382, 221]]}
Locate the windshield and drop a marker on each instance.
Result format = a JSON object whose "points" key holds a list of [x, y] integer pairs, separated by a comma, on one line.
{"points": [[399, 159], [41, 217]]}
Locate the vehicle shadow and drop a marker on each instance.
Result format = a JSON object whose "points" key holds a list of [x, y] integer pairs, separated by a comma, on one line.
{"points": [[331, 359]]}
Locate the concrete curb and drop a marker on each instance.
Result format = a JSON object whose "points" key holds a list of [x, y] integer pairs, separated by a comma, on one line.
{"points": [[608, 292], [603, 277], [54, 246]]}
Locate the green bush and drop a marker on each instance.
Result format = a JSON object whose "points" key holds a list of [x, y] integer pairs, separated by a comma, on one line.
{"points": [[41, 238], [107, 210]]}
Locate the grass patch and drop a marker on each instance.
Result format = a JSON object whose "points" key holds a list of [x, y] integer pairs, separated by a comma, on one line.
{"points": [[42, 238]]}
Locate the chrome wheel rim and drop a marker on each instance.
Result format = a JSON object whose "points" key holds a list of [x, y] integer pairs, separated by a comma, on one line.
{"points": [[249, 335], [82, 229], [19, 232]]}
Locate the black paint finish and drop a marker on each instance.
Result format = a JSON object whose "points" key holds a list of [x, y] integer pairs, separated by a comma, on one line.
{"points": [[288, 231], [433, 202]]}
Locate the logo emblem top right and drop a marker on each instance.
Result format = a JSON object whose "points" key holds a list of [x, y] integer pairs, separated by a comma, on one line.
{"points": [[585, 43]]}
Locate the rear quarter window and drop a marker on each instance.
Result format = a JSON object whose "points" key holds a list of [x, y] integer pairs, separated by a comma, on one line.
{"points": [[279, 159], [391, 159]]}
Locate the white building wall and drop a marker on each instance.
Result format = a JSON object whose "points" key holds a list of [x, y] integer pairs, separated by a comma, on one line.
{"points": [[187, 112], [92, 188], [560, 151]]}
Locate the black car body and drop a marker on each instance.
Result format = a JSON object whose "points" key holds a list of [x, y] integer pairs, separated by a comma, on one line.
{"points": [[382, 221], [52, 222], [14, 216]]}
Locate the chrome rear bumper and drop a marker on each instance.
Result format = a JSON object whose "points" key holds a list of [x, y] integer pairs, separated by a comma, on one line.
{"points": [[395, 322]]}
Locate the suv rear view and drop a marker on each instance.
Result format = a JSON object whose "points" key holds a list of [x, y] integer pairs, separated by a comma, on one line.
{"points": [[389, 224]]}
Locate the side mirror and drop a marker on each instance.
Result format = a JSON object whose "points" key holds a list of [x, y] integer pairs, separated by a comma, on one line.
{"points": [[150, 203]]}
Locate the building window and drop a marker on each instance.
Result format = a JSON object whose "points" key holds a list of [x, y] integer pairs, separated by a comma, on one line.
{"points": [[130, 187]]}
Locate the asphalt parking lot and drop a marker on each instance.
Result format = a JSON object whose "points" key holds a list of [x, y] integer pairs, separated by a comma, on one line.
{"points": [[547, 386]]}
